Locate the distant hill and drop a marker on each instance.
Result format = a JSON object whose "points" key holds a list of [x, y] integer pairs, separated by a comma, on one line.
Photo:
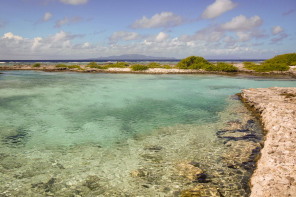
{"points": [[133, 57]]}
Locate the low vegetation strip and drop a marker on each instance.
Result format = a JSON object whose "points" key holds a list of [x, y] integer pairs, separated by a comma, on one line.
{"points": [[277, 63]]}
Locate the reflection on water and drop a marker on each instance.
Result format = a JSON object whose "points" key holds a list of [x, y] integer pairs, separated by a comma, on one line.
{"points": [[72, 134]]}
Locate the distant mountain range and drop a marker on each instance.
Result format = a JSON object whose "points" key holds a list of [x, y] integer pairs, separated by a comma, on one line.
{"points": [[133, 57]]}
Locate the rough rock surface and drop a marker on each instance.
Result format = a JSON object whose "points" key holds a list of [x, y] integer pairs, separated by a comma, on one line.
{"points": [[276, 169]]}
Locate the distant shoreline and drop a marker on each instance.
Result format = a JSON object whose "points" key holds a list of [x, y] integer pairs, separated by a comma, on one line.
{"points": [[84, 69]]}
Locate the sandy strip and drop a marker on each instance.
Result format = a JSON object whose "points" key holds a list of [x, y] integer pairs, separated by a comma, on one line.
{"points": [[276, 169]]}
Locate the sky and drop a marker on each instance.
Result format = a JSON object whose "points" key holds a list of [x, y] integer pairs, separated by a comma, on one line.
{"points": [[213, 29]]}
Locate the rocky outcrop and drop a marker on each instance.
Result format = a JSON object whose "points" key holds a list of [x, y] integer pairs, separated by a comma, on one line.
{"points": [[276, 169]]}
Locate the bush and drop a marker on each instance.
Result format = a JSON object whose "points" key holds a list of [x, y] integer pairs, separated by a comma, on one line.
{"points": [[287, 59], [61, 66], [154, 65], [210, 67], [117, 65], [192, 62], [74, 66], [250, 65], [37, 65], [167, 66], [225, 67], [94, 65], [138, 67], [266, 66]]}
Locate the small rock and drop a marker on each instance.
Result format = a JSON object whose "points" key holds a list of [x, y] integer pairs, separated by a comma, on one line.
{"points": [[189, 171], [92, 182]]}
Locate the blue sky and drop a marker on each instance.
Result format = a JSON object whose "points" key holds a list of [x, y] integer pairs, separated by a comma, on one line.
{"points": [[75, 29]]}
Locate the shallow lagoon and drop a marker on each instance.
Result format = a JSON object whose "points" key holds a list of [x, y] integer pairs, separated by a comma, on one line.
{"points": [[78, 134]]}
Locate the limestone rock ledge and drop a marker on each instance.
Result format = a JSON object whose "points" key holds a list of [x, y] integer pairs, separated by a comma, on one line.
{"points": [[276, 169]]}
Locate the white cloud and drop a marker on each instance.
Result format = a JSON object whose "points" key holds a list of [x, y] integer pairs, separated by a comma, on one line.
{"points": [[161, 37], [10, 36], [47, 16], [242, 23], [218, 8], [36, 42], [276, 30], [164, 19], [66, 21], [125, 36], [74, 2]]}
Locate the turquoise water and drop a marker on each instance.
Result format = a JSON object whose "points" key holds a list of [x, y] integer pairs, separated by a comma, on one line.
{"points": [[97, 120]]}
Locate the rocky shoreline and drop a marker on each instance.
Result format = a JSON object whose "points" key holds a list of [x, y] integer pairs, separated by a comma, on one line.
{"points": [[275, 174], [85, 69]]}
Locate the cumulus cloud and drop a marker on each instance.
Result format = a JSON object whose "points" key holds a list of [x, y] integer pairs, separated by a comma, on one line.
{"points": [[276, 30], [164, 19], [161, 37], [218, 8], [66, 21], [125, 36], [54, 46], [242, 23], [74, 2], [10, 36], [47, 16]]}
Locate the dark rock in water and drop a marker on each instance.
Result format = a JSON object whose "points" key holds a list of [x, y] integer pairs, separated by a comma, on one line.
{"points": [[236, 135], [48, 186], [154, 148], [195, 164], [145, 186], [92, 182], [202, 178], [18, 138]]}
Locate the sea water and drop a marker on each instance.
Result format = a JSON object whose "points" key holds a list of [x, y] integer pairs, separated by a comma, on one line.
{"points": [[78, 134]]}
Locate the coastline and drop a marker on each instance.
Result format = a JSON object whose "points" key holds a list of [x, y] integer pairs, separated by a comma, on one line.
{"points": [[84, 69], [275, 174]]}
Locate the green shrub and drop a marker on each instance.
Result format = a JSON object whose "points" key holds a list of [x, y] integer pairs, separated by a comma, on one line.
{"points": [[138, 67], [210, 67], [122, 65], [192, 62], [266, 66], [250, 65], [287, 59], [94, 65], [74, 66], [61, 66], [37, 65], [117, 65], [167, 66], [225, 67], [154, 65]]}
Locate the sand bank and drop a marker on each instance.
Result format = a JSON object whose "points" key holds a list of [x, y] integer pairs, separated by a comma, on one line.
{"points": [[276, 169]]}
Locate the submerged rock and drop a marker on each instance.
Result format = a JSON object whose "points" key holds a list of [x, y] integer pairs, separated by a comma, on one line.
{"points": [[189, 171], [92, 182], [13, 137]]}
